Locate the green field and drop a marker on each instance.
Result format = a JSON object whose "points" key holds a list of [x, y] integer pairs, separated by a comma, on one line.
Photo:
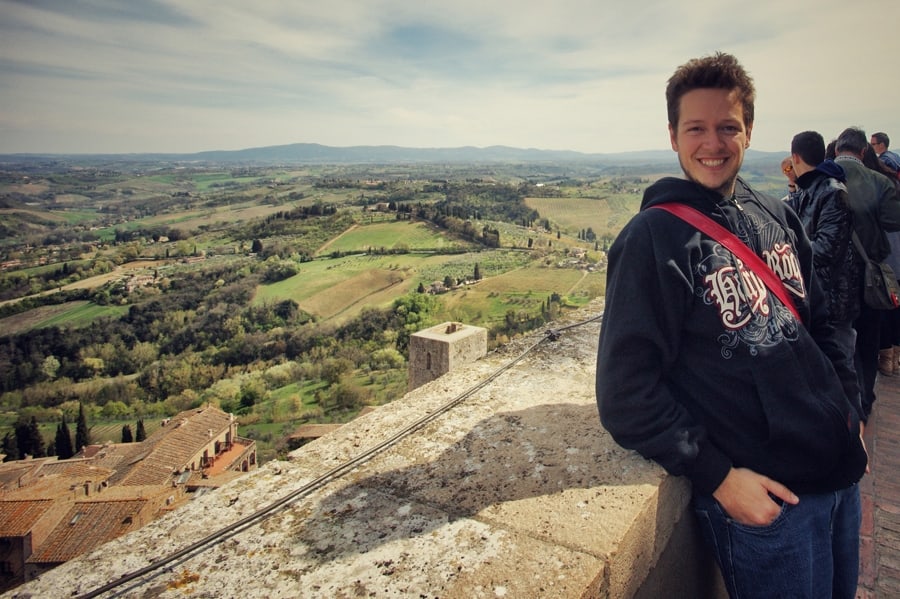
{"points": [[604, 216], [69, 314], [219, 215], [391, 235], [341, 287], [206, 181], [82, 315], [45, 268], [521, 290], [344, 286]]}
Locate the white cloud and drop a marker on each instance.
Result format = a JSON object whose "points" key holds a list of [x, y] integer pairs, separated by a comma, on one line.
{"points": [[102, 76]]}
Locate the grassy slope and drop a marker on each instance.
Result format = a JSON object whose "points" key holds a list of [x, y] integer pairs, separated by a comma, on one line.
{"points": [[75, 314], [390, 235], [523, 289]]}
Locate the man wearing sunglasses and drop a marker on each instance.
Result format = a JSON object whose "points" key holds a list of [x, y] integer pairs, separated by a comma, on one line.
{"points": [[787, 167]]}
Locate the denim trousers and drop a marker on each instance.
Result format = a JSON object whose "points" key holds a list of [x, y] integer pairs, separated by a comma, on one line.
{"points": [[810, 551]]}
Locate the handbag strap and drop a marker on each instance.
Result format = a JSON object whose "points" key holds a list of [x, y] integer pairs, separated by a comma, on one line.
{"points": [[859, 245], [735, 246]]}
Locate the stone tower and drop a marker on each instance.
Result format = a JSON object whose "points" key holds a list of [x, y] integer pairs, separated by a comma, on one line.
{"points": [[438, 350]]}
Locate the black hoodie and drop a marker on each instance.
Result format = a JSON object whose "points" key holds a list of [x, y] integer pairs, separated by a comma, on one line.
{"points": [[701, 368]]}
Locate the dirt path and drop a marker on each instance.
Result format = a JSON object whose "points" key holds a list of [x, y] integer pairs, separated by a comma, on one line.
{"points": [[584, 274], [328, 243]]}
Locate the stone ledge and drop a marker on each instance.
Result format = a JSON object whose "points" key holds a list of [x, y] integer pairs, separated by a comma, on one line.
{"points": [[515, 492]]}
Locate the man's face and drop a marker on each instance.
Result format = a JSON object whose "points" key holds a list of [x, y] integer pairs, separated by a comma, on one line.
{"points": [[876, 146], [711, 138]]}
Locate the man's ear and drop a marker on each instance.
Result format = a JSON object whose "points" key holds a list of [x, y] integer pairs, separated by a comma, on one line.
{"points": [[672, 138]]}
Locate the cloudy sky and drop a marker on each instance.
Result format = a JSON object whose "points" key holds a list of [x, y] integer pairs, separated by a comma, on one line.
{"points": [[98, 76]]}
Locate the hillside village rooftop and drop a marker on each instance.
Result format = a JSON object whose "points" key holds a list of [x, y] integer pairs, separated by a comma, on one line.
{"points": [[54, 510], [495, 480]]}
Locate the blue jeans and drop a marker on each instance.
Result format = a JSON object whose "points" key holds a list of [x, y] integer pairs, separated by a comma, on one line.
{"points": [[811, 550]]}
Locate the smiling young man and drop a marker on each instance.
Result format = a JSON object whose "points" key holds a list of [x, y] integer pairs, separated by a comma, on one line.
{"points": [[703, 369]]}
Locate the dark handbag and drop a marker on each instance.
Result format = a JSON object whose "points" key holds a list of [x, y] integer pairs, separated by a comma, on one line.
{"points": [[880, 288]]}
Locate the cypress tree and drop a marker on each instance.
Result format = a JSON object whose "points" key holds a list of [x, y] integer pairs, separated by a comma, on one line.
{"points": [[36, 441], [82, 433], [64, 449], [127, 437], [10, 449], [141, 434], [23, 439], [28, 439]]}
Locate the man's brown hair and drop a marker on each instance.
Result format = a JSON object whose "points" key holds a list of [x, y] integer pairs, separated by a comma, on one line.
{"points": [[719, 71]]}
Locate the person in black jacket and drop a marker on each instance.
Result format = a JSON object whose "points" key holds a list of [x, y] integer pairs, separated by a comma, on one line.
{"points": [[702, 369], [822, 205]]}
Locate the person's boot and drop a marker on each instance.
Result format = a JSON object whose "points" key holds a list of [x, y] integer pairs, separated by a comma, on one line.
{"points": [[886, 361], [897, 360]]}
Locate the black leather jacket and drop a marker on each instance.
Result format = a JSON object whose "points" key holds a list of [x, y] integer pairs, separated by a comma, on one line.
{"points": [[822, 206]]}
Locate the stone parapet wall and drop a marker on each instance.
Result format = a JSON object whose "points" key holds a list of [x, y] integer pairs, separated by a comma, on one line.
{"points": [[514, 491]]}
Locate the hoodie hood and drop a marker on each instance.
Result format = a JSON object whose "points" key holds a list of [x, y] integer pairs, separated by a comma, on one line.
{"points": [[833, 169], [683, 191]]}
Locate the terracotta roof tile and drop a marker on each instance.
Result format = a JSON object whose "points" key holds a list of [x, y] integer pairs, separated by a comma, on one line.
{"points": [[174, 444], [120, 457], [13, 473], [18, 517], [75, 469], [88, 525], [62, 484]]}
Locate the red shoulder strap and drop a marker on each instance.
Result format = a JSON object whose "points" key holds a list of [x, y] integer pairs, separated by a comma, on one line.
{"points": [[735, 246]]}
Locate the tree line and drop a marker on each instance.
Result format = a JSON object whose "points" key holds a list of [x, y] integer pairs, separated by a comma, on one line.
{"points": [[26, 439]]}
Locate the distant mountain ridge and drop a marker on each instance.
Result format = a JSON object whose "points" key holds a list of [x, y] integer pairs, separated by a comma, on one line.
{"points": [[320, 154], [312, 153]]}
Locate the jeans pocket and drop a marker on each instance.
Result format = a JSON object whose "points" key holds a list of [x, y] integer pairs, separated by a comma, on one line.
{"points": [[772, 526]]}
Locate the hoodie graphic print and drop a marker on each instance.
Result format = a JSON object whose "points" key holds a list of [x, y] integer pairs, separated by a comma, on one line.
{"points": [[747, 313]]}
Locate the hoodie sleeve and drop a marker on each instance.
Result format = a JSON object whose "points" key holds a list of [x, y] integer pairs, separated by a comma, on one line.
{"points": [[648, 298]]}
